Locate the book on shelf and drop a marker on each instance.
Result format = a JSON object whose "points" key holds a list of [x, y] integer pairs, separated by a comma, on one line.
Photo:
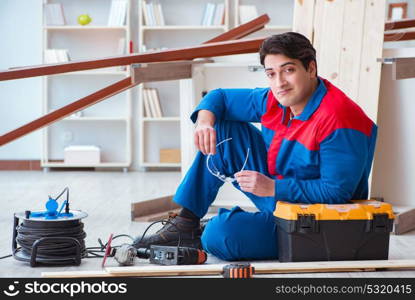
{"points": [[247, 13], [146, 16], [156, 13], [151, 101], [208, 14], [213, 14], [54, 14], [150, 13], [118, 13], [153, 14], [52, 56], [156, 102], [160, 13], [204, 15], [146, 102], [219, 14], [152, 104]]}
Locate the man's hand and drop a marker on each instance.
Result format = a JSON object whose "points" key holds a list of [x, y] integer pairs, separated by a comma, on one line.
{"points": [[255, 183], [205, 134]]}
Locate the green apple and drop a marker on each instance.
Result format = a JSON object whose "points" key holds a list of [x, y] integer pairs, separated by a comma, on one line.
{"points": [[84, 19]]}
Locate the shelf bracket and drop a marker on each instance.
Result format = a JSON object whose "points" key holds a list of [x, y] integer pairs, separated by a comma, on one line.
{"points": [[402, 67]]}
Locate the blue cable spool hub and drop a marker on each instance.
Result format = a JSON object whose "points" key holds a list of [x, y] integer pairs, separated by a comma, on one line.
{"points": [[51, 212]]}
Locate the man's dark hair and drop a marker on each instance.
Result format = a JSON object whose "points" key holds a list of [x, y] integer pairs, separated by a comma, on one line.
{"points": [[291, 44]]}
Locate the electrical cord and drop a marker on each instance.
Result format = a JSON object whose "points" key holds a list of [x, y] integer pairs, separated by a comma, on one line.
{"points": [[94, 251], [27, 235], [164, 222], [66, 202], [53, 250], [89, 252]]}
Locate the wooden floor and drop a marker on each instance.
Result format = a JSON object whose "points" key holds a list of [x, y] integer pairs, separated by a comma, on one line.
{"points": [[106, 196]]}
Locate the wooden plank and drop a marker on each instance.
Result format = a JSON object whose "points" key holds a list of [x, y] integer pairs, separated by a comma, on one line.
{"points": [[263, 268], [242, 30], [330, 33], [399, 36], [349, 69], [157, 216], [154, 206], [77, 274], [370, 68], [20, 165], [260, 268], [304, 17], [403, 68], [317, 28], [189, 53], [404, 219], [67, 110], [207, 271], [400, 24]]}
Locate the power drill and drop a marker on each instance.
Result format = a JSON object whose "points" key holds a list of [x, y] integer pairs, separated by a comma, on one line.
{"points": [[160, 255]]}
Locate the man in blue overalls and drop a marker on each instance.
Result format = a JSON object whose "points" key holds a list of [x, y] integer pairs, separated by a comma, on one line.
{"points": [[315, 146]]}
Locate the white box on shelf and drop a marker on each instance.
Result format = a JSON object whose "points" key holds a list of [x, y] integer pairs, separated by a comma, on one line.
{"points": [[82, 154]]}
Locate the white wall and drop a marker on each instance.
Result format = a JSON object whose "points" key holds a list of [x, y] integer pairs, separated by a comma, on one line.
{"points": [[21, 32], [394, 165]]}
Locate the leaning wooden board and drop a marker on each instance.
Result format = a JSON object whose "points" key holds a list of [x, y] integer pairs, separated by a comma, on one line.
{"points": [[348, 37], [260, 268]]}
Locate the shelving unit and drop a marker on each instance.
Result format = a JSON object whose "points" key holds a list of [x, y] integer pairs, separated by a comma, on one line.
{"points": [[107, 124], [181, 29]]}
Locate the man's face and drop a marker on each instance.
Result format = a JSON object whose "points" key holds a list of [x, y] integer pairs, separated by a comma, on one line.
{"points": [[289, 81]]}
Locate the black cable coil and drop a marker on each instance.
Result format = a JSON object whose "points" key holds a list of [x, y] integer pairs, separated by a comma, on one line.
{"points": [[29, 232]]}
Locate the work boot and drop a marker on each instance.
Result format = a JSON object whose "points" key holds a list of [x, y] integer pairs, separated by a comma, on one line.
{"points": [[188, 229]]}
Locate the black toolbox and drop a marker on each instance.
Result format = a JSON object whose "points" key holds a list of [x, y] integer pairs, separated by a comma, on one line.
{"points": [[323, 232]]}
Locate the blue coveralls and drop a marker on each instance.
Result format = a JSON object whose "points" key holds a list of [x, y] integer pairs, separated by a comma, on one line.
{"points": [[232, 234], [235, 234]]}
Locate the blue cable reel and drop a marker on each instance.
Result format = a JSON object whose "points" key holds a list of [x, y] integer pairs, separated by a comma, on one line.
{"points": [[49, 237]]}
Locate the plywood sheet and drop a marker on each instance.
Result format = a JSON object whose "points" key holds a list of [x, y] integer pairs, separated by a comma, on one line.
{"points": [[304, 17], [348, 37]]}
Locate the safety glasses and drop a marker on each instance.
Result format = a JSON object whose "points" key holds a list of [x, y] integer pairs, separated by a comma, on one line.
{"points": [[214, 170]]}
